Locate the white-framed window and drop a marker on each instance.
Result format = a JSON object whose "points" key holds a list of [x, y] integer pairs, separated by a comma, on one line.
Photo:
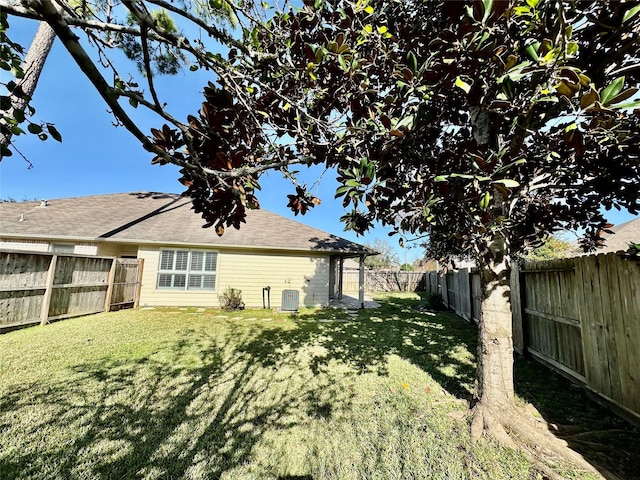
{"points": [[187, 269]]}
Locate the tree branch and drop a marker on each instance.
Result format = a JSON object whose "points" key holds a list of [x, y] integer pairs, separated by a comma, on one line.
{"points": [[147, 66], [211, 30], [53, 17]]}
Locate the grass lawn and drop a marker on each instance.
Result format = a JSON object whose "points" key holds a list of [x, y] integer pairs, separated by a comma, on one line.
{"points": [[182, 393]]}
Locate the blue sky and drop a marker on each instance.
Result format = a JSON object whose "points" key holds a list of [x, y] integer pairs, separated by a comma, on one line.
{"points": [[97, 158]]}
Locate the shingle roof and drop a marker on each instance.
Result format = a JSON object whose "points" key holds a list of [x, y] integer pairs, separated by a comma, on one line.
{"points": [[151, 217], [625, 233]]}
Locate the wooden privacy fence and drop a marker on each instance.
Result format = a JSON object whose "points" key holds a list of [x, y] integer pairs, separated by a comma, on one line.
{"points": [[579, 316], [42, 287], [460, 291], [384, 281]]}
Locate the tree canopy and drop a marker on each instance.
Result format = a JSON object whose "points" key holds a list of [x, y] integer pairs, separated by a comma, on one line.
{"points": [[426, 110], [159, 36], [552, 248]]}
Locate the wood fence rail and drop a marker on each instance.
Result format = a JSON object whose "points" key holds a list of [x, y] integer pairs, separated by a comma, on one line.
{"points": [[42, 287], [579, 316]]}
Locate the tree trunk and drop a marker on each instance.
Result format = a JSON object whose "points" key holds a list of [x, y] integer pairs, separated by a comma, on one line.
{"points": [[32, 67], [495, 349]]}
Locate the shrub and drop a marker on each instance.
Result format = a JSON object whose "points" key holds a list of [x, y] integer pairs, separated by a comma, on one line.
{"points": [[231, 299], [434, 301]]}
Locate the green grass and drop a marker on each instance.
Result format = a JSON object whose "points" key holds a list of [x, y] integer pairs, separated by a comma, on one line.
{"points": [[182, 393]]}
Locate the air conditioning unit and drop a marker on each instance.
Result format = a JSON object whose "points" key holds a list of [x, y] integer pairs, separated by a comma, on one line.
{"points": [[290, 300]]}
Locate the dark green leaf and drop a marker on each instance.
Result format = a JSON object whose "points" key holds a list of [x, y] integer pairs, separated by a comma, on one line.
{"points": [[54, 132], [34, 128], [412, 62], [6, 151], [5, 103], [508, 88]]}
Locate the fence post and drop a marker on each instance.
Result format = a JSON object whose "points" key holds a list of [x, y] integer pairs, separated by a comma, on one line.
{"points": [[516, 310], [136, 301], [340, 277], [109, 294], [464, 286], [46, 299]]}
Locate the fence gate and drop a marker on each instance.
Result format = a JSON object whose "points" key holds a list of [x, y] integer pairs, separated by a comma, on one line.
{"points": [[125, 292]]}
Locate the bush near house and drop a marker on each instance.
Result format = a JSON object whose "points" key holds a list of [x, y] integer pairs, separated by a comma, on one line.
{"points": [[231, 299]]}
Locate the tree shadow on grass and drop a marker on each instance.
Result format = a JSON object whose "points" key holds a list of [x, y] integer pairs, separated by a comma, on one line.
{"points": [[441, 345], [198, 406], [602, 438], [152, 417]]}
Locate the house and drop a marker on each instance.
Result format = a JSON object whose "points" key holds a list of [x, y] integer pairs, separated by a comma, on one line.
{"points": [[624, 234], [184, 263]]}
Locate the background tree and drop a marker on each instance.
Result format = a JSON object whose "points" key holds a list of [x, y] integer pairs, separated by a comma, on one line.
{"points": [[486, 125], [387, 258], [552, 248], [20, 92]]}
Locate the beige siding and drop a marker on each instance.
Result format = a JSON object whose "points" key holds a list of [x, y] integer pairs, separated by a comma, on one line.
{"points": [[252, 271], [108, 249], [112, 249], [249, 271], [127, 250]]}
